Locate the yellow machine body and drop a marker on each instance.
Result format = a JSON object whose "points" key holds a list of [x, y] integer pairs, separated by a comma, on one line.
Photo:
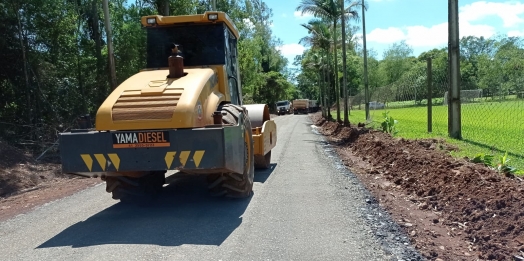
{"points": [[150, 100], [155, 121]]}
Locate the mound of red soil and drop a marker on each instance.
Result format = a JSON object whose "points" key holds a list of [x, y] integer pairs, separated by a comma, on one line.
{"points": [[10, 156], [12, 160], [19, 171], [452, 209], [25, 183]]}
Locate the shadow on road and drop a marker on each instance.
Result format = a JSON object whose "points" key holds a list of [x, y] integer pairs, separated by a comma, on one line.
{"points": [[261, 175], [184, 214]]}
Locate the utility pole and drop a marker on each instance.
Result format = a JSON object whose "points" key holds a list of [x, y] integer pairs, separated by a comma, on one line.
{"points": [[366, 84], [213, 5], [454, 121], [112, 70]]}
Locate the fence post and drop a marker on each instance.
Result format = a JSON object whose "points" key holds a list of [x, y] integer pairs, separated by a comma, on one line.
{"points": [[454, 122], [430, 95]]}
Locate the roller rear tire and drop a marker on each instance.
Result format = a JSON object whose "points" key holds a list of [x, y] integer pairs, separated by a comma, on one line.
{"points": [[236, 185]]}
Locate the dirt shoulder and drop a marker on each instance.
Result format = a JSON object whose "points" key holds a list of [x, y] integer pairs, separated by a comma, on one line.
{"points": [[25, 183], [451, 209]]}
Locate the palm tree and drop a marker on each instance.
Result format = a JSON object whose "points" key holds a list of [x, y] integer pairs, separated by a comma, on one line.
{"points": [[329, 10], [320, 38], [312, 61], [351, 14], [316, 62]]}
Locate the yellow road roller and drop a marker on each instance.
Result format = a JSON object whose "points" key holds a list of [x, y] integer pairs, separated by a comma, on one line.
{"points": [[183, 112]]}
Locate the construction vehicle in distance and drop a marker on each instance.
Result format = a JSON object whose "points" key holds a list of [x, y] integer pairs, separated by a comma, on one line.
{"points": [[283, 107], [313, 106], [183, 112], [300, 106]]}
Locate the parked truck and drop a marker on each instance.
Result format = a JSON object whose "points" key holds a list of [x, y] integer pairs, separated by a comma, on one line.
{"points": [[283, 107], [300, 106], [183, 112]]}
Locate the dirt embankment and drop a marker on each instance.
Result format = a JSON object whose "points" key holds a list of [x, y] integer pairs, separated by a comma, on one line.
{"points": [[25, 183], [452, 209]]}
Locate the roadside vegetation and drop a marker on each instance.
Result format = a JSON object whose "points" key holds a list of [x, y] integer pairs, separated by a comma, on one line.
{"points": [[492, 82]]}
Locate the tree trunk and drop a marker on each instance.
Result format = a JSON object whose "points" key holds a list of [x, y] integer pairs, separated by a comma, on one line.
{"points": [[112, 71], [325, 88], [97, 37], [337, 89], [366, 84], [24, 60], [96, 33], [328, 93], [166, 7], [320, 91], [344, 85]]}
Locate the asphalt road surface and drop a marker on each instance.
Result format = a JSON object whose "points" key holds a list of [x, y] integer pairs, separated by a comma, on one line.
{"points": [[306, 207]]}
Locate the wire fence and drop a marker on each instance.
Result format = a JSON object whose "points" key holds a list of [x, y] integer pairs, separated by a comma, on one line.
{"points": [[491, 119]]}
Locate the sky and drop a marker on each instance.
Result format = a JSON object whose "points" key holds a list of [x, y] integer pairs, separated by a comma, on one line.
{"points": [[421, 23]]}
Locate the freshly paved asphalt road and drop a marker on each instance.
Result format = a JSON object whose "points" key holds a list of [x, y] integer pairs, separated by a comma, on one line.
{"points": [[302, 209]]}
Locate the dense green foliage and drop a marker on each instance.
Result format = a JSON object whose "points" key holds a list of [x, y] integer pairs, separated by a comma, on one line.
{"points": [[494, 66], [55, 57]]}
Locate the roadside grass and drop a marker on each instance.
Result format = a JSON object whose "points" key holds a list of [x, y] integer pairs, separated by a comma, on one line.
{"points": [[487, 127]]}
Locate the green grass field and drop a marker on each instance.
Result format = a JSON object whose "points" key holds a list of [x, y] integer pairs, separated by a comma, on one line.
{"points": [[487, 127]]}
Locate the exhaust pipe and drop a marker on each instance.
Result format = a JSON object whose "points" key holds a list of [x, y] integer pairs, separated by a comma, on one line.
{"points": [[176, 63]]}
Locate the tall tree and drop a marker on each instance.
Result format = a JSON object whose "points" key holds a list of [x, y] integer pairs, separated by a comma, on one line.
{"points": [[320, 38], [22, 38], [112, 72], [396, 60], [351, 14], [329, 10]]}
